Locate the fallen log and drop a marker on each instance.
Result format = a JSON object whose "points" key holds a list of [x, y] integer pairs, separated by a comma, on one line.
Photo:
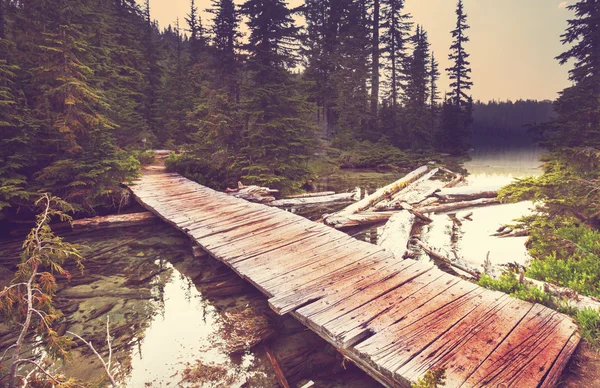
{"points": [[396, 233], [108, 222], [253, 193], [307, 201], [466, 193], [572, 297], [436, 255], [378, 196], [360, 219], [415, 192], [310, 195], [448, 207]]}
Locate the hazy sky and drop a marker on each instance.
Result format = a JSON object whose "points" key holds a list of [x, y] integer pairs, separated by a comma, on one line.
{"points": [[513, 42]]}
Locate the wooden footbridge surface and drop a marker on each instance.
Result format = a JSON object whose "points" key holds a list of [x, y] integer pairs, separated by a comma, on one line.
{"points": [[396, 319]]}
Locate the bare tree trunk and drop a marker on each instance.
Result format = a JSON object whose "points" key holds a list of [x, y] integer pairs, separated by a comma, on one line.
{"points": [[375, 65]]}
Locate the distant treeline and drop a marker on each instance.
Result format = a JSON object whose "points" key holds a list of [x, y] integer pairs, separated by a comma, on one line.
{"points": [[508, 123]]}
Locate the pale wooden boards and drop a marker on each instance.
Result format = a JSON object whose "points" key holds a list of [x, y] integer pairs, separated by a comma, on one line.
{"points": [[396, 319]]}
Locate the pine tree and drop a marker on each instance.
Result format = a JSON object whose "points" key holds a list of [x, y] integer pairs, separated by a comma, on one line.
{"points": [[84, 164], [578, 107], [395, 38], [434, 95], [417, 91], [434, 76], [198, 40], [123, 70], [351, 76], [225, 30], [278, 135], [153, 72], [320, 46], [459, 73], [16, 128], [457, 110], [176, 98]]}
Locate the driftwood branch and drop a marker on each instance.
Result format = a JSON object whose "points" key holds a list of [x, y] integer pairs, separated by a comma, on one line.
{"points": [[105, 365], [453, 263]]}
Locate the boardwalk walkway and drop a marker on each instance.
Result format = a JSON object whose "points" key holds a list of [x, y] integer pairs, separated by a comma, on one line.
{"points": [[396, 319]]}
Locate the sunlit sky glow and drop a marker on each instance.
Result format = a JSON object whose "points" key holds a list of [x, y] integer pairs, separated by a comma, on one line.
{"points": [[513, 42]]}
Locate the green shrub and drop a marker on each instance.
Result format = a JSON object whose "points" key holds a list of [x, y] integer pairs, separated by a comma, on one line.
{"points": [[509, 283], [568, 256], [145, 157], [589, 323]]}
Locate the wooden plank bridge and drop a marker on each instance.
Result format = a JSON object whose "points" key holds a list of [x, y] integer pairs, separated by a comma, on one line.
{"points": [[396, 319]]}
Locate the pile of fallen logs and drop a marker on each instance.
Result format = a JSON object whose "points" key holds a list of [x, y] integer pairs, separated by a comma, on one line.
{"points": [[419, 194], [409, 200], [266, 196]]}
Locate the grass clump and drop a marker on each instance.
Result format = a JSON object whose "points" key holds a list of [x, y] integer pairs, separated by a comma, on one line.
{"points": [[588, 320], [509, 283]]}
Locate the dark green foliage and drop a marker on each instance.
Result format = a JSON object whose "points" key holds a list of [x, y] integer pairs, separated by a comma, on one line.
{"points": [[420, 131], [278, 135], [212, 170], [352, 73], [578, 107], [460, 72]]}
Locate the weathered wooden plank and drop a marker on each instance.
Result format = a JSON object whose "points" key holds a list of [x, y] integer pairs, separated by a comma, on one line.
{"points": [[388, 309], [358, 293], [292, 258], [320, 283], [383, 283], [463, 348], [527, 355]]}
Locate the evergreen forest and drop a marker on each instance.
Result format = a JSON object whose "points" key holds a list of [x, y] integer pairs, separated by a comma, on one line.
{"points": [[257, 94], [88, 86]]}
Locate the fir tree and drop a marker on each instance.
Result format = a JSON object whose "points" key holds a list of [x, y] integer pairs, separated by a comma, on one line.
{"points": [[177, 98], [396, 36], [225, 30], [198, 39], [352, 74], [417, 91], [457, 111], [578, 107], [320, 45], [434, 95], [278, 135], [17, 129], [84, 164], [153, 71], [459, 73]]}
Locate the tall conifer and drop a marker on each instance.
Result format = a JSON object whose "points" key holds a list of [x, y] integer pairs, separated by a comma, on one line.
{"points": [[278, 135], [395, 38]]}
